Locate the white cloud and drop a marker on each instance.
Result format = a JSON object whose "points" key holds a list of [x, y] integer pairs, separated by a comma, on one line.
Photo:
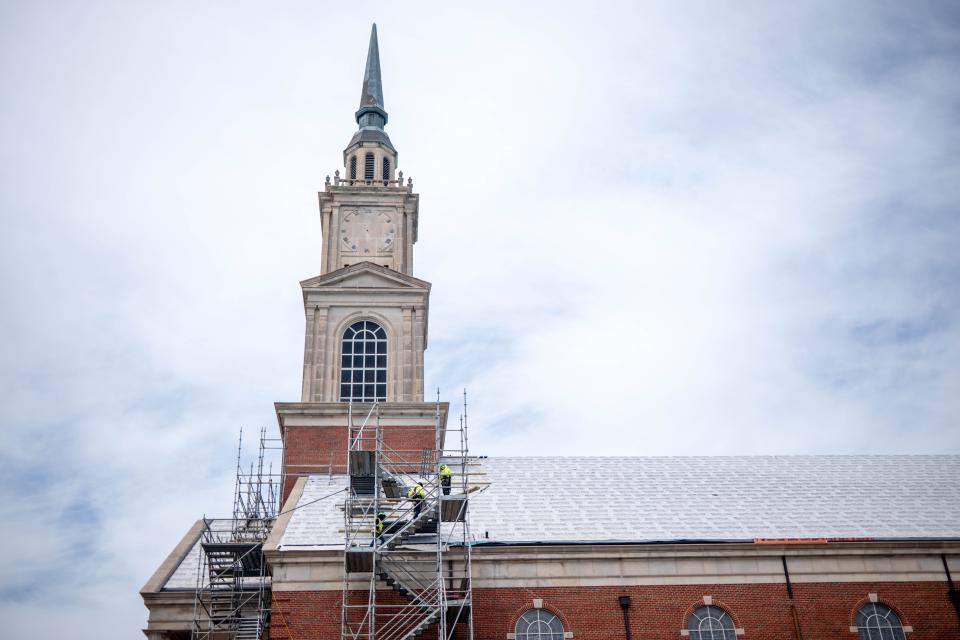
{"points": [[656, 229]]}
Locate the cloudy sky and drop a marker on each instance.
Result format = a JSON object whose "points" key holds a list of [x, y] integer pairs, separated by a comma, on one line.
{"points": [[669, 228]]}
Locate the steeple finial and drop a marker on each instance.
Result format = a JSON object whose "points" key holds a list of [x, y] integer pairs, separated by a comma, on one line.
{"points": [[371, 112]]}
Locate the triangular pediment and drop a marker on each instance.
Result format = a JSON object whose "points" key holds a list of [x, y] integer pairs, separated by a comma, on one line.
{"points": [[365, 275]]}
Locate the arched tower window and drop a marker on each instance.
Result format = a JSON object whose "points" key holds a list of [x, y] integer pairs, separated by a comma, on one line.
{"points": [[386, 170], [711, 623], [876, 621], [539, 624], [353, 167], [363, 363], [368, 167]]}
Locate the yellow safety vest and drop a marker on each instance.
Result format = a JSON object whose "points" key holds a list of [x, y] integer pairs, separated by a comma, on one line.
{"points": [[445, 471], [377, 528], [417, 493]]}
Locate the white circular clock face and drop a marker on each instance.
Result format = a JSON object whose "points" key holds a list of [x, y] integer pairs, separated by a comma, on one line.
{"points": [[368, 232]]}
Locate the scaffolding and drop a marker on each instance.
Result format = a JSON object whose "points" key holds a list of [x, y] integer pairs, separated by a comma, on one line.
{"points": [[232, 600], [414, 575]]}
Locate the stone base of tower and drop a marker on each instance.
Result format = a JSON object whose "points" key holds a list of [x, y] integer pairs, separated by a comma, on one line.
{"points": [[315, 433]]}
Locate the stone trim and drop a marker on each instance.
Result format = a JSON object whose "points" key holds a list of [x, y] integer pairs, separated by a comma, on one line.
{"points": [[169, 610], [392, 276], [906, 629], [532, 568], [628, 565], [420, 415], [317, 414]]}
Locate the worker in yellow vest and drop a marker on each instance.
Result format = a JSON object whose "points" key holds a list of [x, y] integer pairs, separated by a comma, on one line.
{"points": [[446, 476], [418, 495], [377, 529]]}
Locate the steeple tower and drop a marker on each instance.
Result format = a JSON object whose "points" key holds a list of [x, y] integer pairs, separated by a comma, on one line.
{"points": [[370, 156], [366, 296], [371, 96], [366, 314]]}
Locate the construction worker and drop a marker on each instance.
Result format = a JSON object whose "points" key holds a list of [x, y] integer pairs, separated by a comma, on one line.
{"points": [[377, 529], [417, 494], [446, 476]]}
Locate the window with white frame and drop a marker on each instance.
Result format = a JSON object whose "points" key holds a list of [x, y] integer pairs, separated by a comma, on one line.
{"points": [[876, 621], [363, 363], [711, 623], [539, 624]]}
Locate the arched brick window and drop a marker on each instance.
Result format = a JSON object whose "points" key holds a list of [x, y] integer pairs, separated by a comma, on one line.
{"points": [[711, 623], [363, 363], [876, 621], [539, 624]]}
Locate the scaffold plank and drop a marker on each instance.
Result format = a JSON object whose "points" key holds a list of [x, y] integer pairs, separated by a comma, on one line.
{"points": [[362, 463], [359, 561], [453, 508]]}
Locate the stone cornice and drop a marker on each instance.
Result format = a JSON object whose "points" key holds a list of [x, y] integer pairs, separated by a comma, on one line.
{"points": [[361, 194], [645, 564], [389, 275], [334, 413], [170, 597], [714, 550]]}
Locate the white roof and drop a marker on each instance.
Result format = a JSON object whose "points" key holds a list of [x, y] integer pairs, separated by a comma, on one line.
{"points": [[318, 520], [670, 499], [641, 499], [188, 571]]}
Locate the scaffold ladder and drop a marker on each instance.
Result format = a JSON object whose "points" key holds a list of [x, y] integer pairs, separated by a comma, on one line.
{"points": [[415, 575], [232, 598]]}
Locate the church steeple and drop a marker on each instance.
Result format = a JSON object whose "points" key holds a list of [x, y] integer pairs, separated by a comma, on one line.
{"points": [[370, 156], [371, 112], [369, 226]]}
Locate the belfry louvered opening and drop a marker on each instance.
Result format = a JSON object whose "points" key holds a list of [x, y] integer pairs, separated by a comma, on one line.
{"points": [[368, 167], [386, 170], [353, 167]]}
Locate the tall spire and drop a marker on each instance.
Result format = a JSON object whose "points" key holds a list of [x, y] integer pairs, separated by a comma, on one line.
{"points": [[371, 113]]}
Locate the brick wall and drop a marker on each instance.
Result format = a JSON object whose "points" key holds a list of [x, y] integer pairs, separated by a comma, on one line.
{"points": [[313, 449], [302, 615], [315, 615], [825, 610]]}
